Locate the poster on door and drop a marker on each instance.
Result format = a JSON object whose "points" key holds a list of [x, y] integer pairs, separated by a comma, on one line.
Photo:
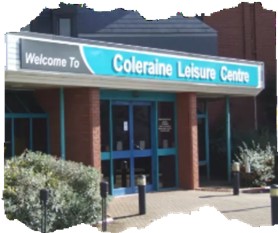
{"points": [[164, 125]]}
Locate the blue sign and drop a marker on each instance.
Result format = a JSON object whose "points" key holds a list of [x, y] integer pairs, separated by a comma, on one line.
{"points": [[129, 63], [149, 65]]}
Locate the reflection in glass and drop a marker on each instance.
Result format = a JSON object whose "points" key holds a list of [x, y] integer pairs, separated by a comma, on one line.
{"points": [[143, 166], [120, 127], [167, 171], [142, 127], [166, 129], [121, 173]]}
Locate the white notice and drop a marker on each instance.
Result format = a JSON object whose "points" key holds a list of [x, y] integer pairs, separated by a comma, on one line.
{"points": [[125, 126]]}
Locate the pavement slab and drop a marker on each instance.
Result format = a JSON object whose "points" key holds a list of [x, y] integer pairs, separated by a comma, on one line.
{"points": [[251, 208]]}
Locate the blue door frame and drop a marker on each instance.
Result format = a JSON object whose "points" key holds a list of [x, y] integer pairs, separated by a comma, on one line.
{"points": [[141, 97], [132, 153]]}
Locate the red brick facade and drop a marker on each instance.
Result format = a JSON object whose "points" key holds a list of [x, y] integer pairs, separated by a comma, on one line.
{"points": [[82, 123], [49, 101], [188, 160], [246, 31]]}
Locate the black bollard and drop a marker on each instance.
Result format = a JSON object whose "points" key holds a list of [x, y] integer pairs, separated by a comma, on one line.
{"points": [[236, 178], [104, 194], [275, 180], [274, 203], [44, 198], [141, 182]]}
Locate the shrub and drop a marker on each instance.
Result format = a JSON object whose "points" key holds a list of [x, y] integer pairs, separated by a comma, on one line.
{"points": [[261, 162], [74, 191]]}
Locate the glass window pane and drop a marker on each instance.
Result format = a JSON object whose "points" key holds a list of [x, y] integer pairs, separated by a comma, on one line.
{"points": [[29, 100], [121, 173], [201, 139], [105, 125], [13, 103], [167, 171], [120, 127], [21, 102], [65, 27], [40, 135], [200, 107], [142, 127], [21, 135], [8, 139], [166, 129], [143, 166]]}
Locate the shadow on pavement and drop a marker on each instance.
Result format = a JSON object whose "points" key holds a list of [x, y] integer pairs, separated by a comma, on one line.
{"points": [[126, 216], [213, 196], [245, 209]]}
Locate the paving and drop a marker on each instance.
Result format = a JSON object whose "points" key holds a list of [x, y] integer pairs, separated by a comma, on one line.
{"points": [[252, 208]]}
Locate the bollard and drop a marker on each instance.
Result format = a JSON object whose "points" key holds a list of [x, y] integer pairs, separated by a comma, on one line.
{"points": [[43, 199], [236, 178], [274, 203], [104, 194], [141, 182]]}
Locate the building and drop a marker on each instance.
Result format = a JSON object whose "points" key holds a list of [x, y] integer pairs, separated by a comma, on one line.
{"points": [[248, 32], [127, 99]]}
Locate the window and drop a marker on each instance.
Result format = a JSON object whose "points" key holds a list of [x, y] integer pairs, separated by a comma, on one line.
{"points": [[64, 27], [26, 124]]}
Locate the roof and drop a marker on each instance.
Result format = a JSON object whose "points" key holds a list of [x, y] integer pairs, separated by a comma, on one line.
{"points": [[120, 21]]}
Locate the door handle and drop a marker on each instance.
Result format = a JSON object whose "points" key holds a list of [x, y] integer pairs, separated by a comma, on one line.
{"points": [[137, 147]]}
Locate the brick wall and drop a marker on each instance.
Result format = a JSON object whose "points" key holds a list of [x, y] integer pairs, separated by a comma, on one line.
{"points": [[246, 31], [188, 161], [49, 101], [82, 123], [82, 111]]}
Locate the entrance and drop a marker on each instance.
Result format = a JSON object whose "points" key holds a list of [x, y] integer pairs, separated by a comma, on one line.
{"points": [[132, 139]]}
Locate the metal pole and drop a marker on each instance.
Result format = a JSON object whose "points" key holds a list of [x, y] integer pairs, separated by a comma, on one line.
{"points": [[228, 137], [104, 194], [62, 124], [236, 178], [142, 194], [274, 204], [43, 198]]}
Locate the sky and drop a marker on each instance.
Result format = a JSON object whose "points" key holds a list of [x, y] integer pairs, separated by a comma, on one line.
{"points": [[17, 14]]}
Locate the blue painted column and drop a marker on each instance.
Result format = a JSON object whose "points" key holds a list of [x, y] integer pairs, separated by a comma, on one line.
{"points": [[228, 137], [111, 183], [155, 146], [62, 125]]}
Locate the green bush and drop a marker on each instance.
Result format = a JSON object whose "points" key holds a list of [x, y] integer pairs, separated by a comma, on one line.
{"points": [[261, 162], [74, 191]]}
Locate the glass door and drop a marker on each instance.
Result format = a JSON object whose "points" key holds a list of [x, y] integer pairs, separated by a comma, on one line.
{"points": [[132, 145]]}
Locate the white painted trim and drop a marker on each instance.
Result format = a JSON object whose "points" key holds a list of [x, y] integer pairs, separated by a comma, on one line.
{"points": [[52, 79]]}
